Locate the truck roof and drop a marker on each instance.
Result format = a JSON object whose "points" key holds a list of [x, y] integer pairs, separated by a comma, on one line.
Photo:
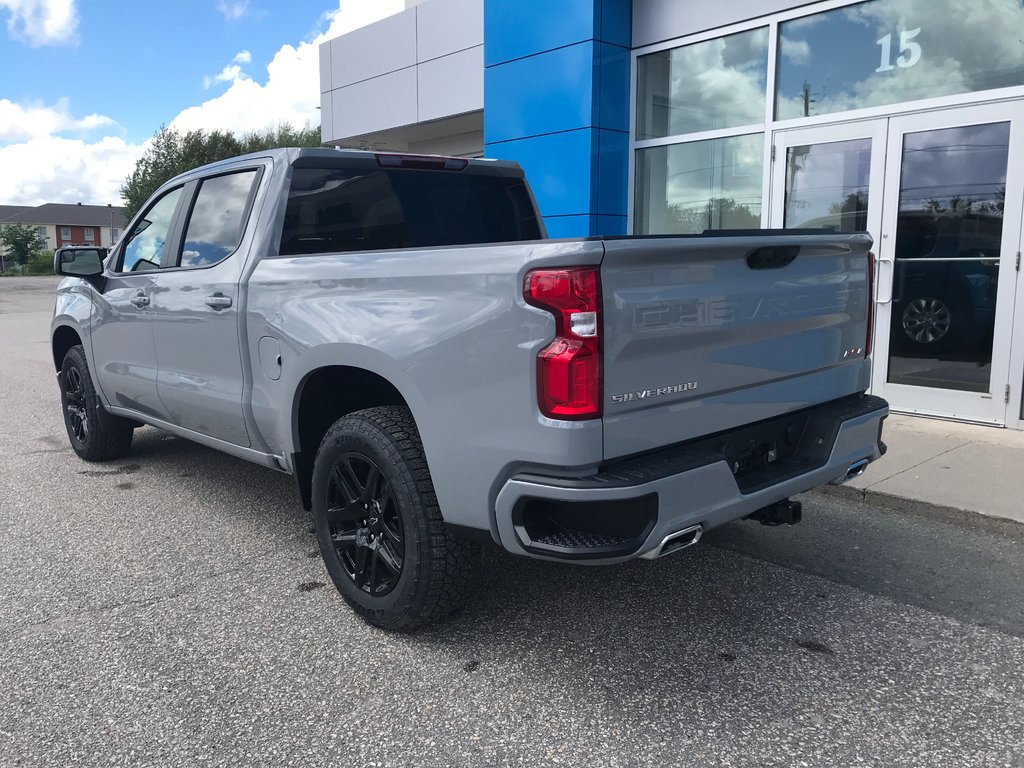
{"points": [[357, 157]]}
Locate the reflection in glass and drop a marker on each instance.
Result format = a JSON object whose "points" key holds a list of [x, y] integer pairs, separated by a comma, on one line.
{"points": [[145, 248], [890, 51], [948, 234], [719, 83], [827, 185], [687, 188], [216, 224]]}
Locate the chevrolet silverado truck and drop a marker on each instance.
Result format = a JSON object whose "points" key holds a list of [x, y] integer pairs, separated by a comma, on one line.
{"points": [[396, 332]]}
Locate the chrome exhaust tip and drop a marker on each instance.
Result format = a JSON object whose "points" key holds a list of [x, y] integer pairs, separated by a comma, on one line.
{"points": [[675, 542], [856, 470]]}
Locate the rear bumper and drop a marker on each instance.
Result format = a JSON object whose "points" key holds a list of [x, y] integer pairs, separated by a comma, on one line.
{"points": [[630, 508]]}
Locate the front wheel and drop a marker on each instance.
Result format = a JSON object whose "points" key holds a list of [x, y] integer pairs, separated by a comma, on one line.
{"points": [[94, 434], [379, 526]]}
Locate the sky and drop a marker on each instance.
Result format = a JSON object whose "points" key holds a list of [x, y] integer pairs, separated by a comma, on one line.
{"points": [[84, 85]]}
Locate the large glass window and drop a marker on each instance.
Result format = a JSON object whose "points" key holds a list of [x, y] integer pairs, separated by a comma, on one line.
{"points": [[217, 220], [890, 51], [687, 188], [719, 83]]}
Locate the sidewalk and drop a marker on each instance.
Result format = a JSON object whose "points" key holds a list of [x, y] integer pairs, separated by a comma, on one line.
{"points": [[946, 466]]}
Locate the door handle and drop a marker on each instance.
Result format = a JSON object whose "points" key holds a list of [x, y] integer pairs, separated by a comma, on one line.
{"points": [[885, 280], [140, 300], [218, 301]]}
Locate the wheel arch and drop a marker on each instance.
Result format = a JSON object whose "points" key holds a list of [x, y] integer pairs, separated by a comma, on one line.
{"points": [[324, 395], [64, 337]]}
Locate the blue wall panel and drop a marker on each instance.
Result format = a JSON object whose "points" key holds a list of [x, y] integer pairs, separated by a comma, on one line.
{"points": [[612, 78], [528, 96], [609, 225], [558, 166], [514, 29], [556, 99], [569, 226], [615, 22], [612, 164]]}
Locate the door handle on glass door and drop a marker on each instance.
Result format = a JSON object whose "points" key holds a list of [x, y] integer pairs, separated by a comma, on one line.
{"points": [[218, 301], [886, 274]]}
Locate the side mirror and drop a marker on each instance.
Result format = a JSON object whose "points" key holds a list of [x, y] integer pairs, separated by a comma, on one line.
{"points": [[79, 262]]}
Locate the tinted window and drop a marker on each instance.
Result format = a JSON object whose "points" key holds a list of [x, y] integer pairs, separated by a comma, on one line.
{"points": [[217, 219], [145, 246], [343, 210]]}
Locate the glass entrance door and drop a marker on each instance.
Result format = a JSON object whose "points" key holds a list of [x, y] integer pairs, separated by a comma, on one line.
{"points": [[829, 177], [941, 194], [947, 261]]}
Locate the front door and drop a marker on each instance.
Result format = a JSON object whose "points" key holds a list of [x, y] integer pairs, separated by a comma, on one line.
{"points": [[124, 351], [195, 311], [954, 191]]}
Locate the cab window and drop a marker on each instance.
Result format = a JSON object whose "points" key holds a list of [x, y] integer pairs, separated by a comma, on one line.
{"points": [[217, 220], [145, 243]]}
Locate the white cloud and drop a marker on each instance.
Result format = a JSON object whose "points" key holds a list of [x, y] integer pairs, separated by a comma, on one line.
{"points": [[233, 11], [231, 72], [291, 92], [52, 169], [796, 51], [20, 122], [41, 22]]}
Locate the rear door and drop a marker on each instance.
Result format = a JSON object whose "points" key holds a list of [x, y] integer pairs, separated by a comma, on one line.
{"points": [[195, 312], [706, 333], [124, 353]]}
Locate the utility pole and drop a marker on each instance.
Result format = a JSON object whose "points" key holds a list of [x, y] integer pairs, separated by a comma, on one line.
{"points": [[807, 99]]}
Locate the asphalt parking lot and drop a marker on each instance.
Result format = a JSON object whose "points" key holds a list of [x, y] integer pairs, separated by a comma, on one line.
{"points": [[171, 609]]}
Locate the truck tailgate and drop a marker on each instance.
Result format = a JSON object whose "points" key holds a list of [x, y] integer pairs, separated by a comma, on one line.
{"points": [[702, 334]]}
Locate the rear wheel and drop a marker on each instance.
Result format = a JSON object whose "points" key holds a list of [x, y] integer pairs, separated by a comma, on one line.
{"points": [[379, 526], [94, 434]]}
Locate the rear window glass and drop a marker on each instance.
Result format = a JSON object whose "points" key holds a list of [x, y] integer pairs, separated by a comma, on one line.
{"points": [[332, 210]]}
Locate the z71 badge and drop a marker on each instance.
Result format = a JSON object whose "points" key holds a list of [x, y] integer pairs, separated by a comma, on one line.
{"points": [[646, 394]]}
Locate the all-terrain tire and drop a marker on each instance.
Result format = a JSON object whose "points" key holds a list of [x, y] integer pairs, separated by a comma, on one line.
{"points": [[381, 447], [95, 435]]}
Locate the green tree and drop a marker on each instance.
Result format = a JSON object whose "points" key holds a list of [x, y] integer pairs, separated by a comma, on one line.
{"points": [[20, 242], [172, 152]]}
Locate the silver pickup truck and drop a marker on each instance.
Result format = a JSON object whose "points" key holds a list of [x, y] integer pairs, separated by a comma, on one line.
{"points": [[395, 332]]}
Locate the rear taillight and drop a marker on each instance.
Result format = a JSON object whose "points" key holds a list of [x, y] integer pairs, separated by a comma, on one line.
{"points": [[569, 368], [871, 303]]}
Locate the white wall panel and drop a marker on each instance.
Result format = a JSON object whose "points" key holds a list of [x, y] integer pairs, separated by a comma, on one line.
{"points": [[377, 49], [326, 80], [451, 84], [446, 26], [373, 105], [326, 115]]}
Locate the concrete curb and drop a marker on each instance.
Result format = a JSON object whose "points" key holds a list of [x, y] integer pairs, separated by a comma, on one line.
{"points": [[926, 509]]}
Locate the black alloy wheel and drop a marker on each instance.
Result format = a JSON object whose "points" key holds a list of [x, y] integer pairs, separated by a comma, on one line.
{"points": [[383, 539], [94, 434], [74, 397], [365, 524]]}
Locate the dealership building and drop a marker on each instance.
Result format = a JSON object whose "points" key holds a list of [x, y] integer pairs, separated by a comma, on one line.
{"points": [[904, 118]]}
